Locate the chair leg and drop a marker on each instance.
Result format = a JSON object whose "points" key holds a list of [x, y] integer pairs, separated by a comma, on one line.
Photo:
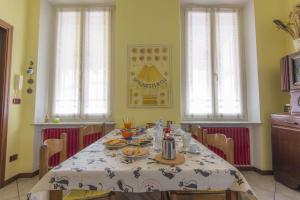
{"points": [[165, 195], [173, 196], [55, 195], [234, 195], [112, 196]]}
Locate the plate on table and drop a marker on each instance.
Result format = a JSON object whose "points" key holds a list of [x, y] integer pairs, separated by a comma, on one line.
{"points": [[140, 142], [135, 152], [115, 143]]}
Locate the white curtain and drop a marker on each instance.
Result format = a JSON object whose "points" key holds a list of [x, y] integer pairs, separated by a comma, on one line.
{"points": [[213, 64], [229, 98], [82, 71], [96, 62], [199, 63], [67, 66]]}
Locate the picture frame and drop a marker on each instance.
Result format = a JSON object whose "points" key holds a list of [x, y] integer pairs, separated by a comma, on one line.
{"points": [[294, 71], [149, 77]]}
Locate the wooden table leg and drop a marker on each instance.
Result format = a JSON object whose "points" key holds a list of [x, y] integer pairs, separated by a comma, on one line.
{"points": [[55, 195], [232, 195], [164, 195]]}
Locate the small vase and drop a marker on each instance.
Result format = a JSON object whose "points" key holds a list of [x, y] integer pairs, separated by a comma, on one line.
{"points": [[296, 44]]}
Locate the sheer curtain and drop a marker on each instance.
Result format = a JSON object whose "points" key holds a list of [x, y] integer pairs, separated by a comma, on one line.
{"points": [[199, 63], [96, 62], [229, 98], [82, 70], [213, 64], [67, 66]]}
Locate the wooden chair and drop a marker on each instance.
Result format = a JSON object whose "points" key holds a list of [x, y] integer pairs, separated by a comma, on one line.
{"points": [[221, 142], [82, 194], [88, 130], [197, 133], [49, 148], [53, 146]]}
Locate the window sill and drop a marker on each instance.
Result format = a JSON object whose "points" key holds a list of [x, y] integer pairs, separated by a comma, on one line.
{"points": [[221, 122], [72, 123]]}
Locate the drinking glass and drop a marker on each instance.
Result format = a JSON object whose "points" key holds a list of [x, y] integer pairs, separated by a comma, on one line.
{"points": [[127, 123], [186, 140], [157, 143]]}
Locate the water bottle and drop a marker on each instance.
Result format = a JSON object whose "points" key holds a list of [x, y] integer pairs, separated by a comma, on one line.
{"points": [[158, 136]]}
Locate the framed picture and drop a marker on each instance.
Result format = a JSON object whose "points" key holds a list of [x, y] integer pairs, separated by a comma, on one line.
{"points": [[149, 76], [294, 67]]}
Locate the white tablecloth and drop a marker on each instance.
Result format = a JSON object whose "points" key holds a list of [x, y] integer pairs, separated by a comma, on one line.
{"points": [[96, 168]]}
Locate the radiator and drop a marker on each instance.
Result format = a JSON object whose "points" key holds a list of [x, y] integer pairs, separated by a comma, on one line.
{"points": [[241, 138], [73, 141], [240, 135]]}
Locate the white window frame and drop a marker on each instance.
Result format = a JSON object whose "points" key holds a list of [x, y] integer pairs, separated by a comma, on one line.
{"points": [[184, 43], [82, 117]]}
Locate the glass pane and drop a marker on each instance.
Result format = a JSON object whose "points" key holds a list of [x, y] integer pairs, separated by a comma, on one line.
{"points": [[198, 73], [96, 62], [229, 98], [67, 66], [296, 70]]}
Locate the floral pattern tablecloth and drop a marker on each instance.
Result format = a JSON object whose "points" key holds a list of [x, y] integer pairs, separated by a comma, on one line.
{"points": [[97, 168]]}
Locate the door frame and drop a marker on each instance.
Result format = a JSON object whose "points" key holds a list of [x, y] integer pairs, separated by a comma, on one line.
{"points": [[4, 95]]}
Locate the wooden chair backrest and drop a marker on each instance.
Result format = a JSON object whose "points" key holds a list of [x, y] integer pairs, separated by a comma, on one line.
{"points": [[221, 142], [51, 147], [196, 131], [88, 130]]}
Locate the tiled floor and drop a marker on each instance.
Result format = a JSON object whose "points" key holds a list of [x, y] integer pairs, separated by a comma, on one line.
{"points": [[264, 187], [18, 189]]}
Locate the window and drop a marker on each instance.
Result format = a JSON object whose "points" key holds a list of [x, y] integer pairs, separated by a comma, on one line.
{"points": [[213, 65], [81, 78]]}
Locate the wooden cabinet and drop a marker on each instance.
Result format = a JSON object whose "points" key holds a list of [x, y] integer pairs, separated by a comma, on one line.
{"points": [[286, 149]]}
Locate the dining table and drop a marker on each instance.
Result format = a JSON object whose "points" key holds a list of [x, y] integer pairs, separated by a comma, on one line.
{"points": [[97, 167]]}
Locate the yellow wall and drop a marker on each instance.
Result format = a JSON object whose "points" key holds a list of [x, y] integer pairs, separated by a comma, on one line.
{"points": [[14, 12], [271, 46], [23, 15], [27, 130], [143, 22], [146, 22]]}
